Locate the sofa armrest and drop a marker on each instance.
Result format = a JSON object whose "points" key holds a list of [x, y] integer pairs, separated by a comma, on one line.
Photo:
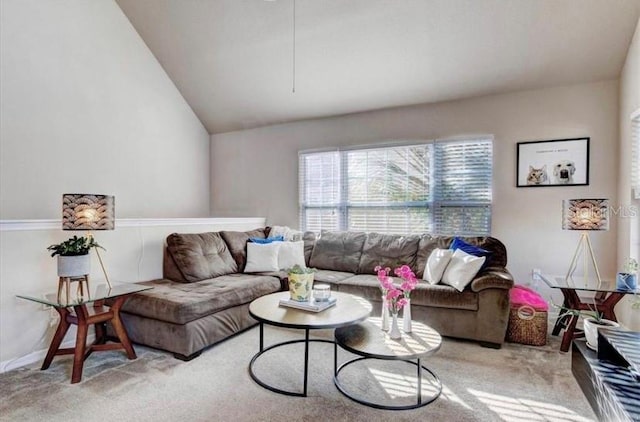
{"points": [[492, 278]]}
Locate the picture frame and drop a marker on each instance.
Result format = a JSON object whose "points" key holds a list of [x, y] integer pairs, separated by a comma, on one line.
{"points": [[556, 162]]}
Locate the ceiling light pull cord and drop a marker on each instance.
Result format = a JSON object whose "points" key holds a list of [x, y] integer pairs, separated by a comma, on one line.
{"points": [[294, 48]]}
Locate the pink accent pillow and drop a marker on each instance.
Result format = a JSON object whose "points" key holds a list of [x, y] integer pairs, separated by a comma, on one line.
{"points": [[521, 295]]}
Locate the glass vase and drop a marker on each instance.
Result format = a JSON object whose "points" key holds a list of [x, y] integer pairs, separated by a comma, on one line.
{"points": [[406, 317], [394, 333], [385, 314]]}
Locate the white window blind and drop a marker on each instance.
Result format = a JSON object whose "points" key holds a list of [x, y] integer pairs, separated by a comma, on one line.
{"points": [[387, 189], [635, 152], [463, 187], [319, 181], [441, 187]]}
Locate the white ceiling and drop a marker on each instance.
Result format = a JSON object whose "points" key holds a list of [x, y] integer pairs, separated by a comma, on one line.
{"points": [[232, 59]]}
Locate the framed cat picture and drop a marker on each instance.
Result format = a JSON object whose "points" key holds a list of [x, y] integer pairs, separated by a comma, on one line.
{"points": [[558, 162]]}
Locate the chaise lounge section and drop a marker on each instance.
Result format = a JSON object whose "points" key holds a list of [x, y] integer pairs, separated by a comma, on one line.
{"points": [[204, 296]]}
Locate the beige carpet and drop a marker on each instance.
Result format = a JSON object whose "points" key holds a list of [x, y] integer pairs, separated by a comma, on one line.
{"points": [[516, 383]]}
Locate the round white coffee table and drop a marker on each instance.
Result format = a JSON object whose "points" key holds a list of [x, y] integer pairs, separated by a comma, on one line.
{"points": [[348, 310], [367, 340]]}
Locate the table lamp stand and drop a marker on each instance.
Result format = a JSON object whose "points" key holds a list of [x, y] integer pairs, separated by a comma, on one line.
{"points": [[104, 271], [584, 243]]}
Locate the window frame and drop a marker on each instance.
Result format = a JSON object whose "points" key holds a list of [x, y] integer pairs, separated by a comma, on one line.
{"points": [[432, 203]]}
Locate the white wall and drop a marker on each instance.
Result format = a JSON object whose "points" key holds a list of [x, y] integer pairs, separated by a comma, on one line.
{"points": [[134, 253], [254, 172], [85, 107], [629, 228]]}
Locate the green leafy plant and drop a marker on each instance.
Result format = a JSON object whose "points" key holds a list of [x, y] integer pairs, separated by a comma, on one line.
{"points": [[297, 269], [74, 246], [630, 266], [591, 313]]}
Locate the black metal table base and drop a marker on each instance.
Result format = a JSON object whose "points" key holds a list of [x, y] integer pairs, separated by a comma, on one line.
{"points": [[420, 400], [262, 351]]}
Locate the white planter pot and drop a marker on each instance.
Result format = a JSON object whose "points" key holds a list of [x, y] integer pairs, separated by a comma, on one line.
{"points": [[74, 266], [591, 327], [300, 286]]}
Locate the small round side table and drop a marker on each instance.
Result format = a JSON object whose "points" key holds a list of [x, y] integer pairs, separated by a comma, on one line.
{"points": [[367, 340]]}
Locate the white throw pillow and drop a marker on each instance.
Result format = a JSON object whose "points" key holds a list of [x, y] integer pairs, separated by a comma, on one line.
{"points": [[290, 254], [262, 257], [436, 264], [462, 269]]}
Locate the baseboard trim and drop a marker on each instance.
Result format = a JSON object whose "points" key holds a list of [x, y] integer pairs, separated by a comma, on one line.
{"points": [[28, 225], [37, 356]]}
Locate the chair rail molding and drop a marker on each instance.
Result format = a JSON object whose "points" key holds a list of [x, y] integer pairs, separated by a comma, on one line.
{"points": [[28, 225]]}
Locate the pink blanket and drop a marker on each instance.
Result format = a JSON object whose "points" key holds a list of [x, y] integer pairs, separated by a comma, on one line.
{"points": [[521, 295]]}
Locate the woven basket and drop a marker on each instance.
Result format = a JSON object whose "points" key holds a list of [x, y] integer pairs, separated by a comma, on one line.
{"points": [[527, 326]]}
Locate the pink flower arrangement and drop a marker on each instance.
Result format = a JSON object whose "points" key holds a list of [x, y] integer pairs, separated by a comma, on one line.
{"points": [[397, 296]]}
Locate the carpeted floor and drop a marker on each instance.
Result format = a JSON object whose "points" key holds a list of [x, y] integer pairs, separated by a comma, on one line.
{"points": [[515, 383]]}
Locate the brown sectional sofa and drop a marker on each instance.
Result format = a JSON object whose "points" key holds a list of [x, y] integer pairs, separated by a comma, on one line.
{"points": [[204, 295]]}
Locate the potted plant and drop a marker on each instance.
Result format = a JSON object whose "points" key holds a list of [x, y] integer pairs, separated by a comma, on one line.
{"points": [[627, 280], [300, 283], [593, 322], [73, 256]]}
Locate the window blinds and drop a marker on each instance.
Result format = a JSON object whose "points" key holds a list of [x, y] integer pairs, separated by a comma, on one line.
{"points": [[387, 190], [435, 187], [463, 173], [319, 190]]}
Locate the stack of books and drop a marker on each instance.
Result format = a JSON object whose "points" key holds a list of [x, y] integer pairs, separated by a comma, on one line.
{"points": [[312, 305]]}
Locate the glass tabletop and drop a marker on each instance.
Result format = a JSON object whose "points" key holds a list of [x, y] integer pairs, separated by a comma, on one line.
{"points": [[96, 293], [579, 283]]}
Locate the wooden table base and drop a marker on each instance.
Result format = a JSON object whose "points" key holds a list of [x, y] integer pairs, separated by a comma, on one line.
{"points": [[568, 319], [83, 316]]}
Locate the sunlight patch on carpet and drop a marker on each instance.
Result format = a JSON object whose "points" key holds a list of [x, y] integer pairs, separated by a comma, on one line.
{"points": [[398, 385], [525, 410], [448, 394]]}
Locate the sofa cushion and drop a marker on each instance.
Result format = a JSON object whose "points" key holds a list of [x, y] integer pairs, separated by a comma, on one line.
{"points": [[368, 287], [443, 296], [387, 250], [237, 244], [180, 303], [200, 256], [330, 277], [339, 251], [309, 239]]}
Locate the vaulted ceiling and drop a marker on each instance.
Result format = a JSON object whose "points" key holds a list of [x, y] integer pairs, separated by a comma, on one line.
{"points": [[233, 60]]}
